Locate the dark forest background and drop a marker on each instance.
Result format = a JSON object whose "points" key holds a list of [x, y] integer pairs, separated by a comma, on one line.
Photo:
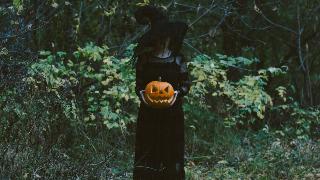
{"points": [[67, 101]]}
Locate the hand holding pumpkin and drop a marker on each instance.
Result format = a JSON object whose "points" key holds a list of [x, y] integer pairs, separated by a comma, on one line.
{"points": [[158, 94]]}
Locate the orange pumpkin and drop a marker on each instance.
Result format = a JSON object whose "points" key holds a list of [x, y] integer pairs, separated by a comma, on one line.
{"points": [[159, 94]]}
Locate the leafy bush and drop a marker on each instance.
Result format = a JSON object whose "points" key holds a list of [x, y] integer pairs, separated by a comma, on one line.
{"points": [[302, 123], [241, 102], [101, 85], [68, 110]]}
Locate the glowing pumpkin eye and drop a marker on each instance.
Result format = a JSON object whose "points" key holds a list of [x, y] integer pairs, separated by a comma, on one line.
{"points": [[166, 89], [154, 89]]}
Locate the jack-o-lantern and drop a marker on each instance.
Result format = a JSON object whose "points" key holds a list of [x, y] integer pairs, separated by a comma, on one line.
{"points": [[159, 94]]}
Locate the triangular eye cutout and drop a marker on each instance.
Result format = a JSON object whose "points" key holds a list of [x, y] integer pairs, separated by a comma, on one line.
{"points": [[166, 89], [154, 89]]}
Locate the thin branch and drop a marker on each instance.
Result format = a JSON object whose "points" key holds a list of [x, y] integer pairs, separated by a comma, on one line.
{"points": [[193, 48], [132, 39], [186, 5], [273, 23], [26, 29], [23, 33], [300, 30], [253, 28], [244, 36], [102, 6], [203, 14], [225, 64], [197, 37], [213, 31]]}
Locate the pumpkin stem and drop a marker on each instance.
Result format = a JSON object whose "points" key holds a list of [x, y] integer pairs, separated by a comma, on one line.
{"points": [[159, 78]]}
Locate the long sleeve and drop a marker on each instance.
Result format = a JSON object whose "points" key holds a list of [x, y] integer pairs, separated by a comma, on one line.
{"points": [[184, 79], [139, 79]]}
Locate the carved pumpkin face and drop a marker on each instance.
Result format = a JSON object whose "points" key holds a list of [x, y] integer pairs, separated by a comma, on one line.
{"points": [[159, 94]]}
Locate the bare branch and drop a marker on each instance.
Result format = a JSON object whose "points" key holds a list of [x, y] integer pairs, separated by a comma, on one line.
{"points": [[300, 30], [213, 31], [273, 23], [203, 14]]}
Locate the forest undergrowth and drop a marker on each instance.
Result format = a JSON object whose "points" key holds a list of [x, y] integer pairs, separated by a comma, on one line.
{"points": [[72, 116], [68, 107]]}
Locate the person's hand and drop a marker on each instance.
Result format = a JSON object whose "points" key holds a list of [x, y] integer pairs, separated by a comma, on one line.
{"points": [[142, 97], [176, 93]]}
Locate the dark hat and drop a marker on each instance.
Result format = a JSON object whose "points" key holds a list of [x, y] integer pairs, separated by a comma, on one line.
{"points": [[160, 29]]}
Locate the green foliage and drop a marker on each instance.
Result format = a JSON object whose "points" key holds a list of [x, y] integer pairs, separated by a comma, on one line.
{"points": [[18, 4], [306, 122], [302, 123], [71, 108], [101, 85], [258, 155], [71, 116], [245, 100], [144, 3]]}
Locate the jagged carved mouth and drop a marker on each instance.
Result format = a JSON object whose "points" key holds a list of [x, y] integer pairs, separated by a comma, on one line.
{"points": [[160, 101]]}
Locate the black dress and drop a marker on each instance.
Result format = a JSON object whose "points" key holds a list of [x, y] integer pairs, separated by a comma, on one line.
{"points": [[159, 150]]}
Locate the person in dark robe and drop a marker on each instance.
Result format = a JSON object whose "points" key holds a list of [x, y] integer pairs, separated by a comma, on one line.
{"points": [[159, 148]]}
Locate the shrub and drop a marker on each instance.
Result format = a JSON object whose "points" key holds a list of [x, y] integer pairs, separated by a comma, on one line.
{"points": [[101, 85], [242, 102]]}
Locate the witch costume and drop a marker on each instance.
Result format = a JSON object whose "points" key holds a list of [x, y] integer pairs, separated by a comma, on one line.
{"points": [[159, 148]]}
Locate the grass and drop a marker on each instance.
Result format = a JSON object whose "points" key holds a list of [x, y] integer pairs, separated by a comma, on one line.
{"points": [[258, 155], [218, 154]]}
